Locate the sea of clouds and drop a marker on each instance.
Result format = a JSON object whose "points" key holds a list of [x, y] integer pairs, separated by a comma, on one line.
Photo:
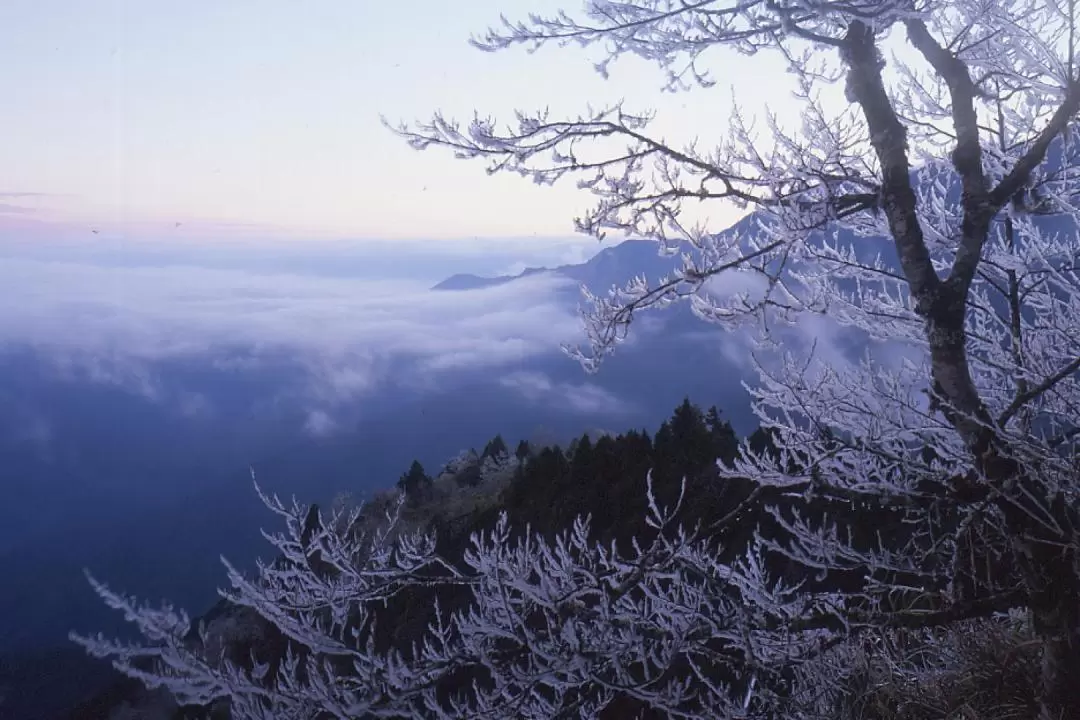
{"points": [[347, 319]]}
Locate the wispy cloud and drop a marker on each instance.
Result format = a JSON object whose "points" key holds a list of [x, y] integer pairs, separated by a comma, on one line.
{"points": [[9, 209], [320, 423], [40, 204], [585, 397]]}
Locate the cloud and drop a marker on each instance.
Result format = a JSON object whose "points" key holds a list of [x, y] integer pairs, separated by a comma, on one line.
{"points": [[9, 209], [40, 237], [30, 427], [584, 398], [105, 368], [174, 311], [566, 253], [22, 211], [116, 324], [194, 404], [319, 423]]}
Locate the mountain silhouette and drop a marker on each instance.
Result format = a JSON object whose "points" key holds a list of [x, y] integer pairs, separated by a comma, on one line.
{"points": [[614, 265]]}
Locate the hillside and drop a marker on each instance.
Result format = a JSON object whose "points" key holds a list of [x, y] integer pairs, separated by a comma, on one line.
{"points": [[539, 484], [599, 475]]}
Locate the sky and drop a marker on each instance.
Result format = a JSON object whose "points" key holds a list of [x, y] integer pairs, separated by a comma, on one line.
{"points": [[262, 117]]}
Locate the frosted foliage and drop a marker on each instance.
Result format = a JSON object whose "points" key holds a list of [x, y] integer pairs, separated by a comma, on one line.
{"points": [[499, 466], [459, 463], [925, 202], [550, 626]]}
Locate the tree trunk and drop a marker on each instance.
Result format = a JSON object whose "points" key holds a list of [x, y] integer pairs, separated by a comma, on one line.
{"points": [[1045, 554], [1048, 562]]}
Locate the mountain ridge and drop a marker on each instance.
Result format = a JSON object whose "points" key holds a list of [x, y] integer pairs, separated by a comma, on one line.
{"points": [[607, 266]]}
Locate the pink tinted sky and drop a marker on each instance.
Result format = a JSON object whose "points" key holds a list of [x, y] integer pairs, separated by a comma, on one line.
{"points": [[262, 116]]}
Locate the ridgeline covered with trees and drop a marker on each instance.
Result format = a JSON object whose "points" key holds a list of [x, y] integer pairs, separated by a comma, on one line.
{"points": [[605, 478]]}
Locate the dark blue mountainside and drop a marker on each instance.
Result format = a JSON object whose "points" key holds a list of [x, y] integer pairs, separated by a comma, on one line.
{"points": [[147, 491]]}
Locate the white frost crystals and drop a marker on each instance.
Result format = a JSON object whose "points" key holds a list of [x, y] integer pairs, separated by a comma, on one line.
{"points": [[930, 484], [547, 626]]}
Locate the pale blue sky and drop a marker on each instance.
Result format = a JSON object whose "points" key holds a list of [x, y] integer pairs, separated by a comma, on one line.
{"points": [[265, 113]]}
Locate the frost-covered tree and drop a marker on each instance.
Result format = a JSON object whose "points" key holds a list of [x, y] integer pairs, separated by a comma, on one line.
{"points": [[926, 201]]}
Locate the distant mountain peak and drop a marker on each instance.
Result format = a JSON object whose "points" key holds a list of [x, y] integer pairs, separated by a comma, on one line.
{"points": [[468, 281], [615, 264]]}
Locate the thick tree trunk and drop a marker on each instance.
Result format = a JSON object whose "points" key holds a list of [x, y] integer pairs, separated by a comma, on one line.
{"points": [[1048, 561], [1045, 554], [1049, 565]]}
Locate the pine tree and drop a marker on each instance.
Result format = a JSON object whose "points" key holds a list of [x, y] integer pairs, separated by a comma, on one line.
{"points": [[523, 451], [496, 447], [725, 442], [416, 483]]}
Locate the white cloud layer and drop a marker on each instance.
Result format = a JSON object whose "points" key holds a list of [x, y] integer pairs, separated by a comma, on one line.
{"points": [[157, 313], [113, 323], [116, 322]]}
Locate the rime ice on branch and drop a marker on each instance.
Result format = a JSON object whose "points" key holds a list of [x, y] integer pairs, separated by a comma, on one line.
{"points": [[960, 421]]}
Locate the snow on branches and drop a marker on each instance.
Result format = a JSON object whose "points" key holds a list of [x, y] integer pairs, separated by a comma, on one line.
{"points": [[959, 149], [926, 202], [548, 627]]}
